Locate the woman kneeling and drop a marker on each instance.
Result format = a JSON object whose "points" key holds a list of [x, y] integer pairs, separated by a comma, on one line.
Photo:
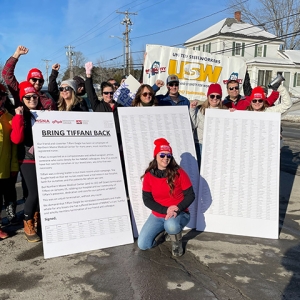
{"points": [[168, 192]]}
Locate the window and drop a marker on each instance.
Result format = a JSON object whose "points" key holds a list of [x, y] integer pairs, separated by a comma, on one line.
{"points": [[264, 77], [206, 47], [260, 51], [297, 79], [238, 49]]}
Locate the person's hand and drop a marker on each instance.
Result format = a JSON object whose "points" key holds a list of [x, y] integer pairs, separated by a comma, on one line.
{"points": [[19, 110], [88, 68], [159, 83], [194, 104], [232, 109], [171, 212], [56, 67], [21, 50]]}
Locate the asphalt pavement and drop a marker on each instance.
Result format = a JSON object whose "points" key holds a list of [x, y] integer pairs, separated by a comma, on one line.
{"points": [[214, 266]]}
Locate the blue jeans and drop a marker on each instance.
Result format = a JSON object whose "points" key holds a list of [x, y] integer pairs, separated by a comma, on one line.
{"points": [[154, 225]]}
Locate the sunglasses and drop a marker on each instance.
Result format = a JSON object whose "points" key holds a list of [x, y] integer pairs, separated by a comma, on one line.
{"points": [[173, 84], [34, 97], [106, 93], [147, 94], [233, 88], [37, 79], [168, 155], [65, 89], [215, 96], [257, 100]]}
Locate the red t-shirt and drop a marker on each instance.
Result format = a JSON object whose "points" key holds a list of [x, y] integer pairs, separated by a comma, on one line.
{"points": [[161, 191]]}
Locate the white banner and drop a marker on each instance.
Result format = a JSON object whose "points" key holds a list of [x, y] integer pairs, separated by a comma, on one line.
{"points": [[239, 179], [196, 70], [140, 126], [80, 183]]}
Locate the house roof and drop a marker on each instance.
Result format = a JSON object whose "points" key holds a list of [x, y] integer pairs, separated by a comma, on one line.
{"points": [[233, 28], [270, 61], [293, 55]]}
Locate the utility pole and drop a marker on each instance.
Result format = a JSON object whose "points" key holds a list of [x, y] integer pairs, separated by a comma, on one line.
{"points": [[69, 54], [127, 22], [47, 67]]}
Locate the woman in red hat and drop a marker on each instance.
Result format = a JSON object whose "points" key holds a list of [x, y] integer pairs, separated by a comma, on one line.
{"points": [[168, 192], [197, 113], [22, 136], [259, 101]]}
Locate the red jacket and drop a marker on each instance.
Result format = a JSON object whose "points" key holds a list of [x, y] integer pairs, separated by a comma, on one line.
{"points": [[13, 85]]}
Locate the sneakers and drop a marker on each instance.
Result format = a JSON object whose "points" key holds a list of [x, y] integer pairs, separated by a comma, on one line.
{"points": [[3, 235]]}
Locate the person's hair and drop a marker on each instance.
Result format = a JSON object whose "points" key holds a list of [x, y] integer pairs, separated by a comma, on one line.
{"points": [[62, 105], [137, 99], [104, 85], [232, 81], [205, 105], [171, 172], [263, 108]]}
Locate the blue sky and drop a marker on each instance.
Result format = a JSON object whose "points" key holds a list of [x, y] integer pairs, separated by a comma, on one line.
{"points": [[47, 26]]}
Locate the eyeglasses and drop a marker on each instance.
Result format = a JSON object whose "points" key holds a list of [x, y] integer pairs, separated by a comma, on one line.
{"points": [[233, 88], [65, 89], [257, 100], [173, 84], [147, 94], [106, 93], [168, 155], [214, 96], [28, 98], [37, 79]]}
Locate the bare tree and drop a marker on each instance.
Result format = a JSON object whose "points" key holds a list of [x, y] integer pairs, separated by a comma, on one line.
{"points": [[282, 18]]}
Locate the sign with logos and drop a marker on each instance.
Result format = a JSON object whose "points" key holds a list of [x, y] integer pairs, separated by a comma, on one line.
{"points": [[196, 70], [81, 189]]}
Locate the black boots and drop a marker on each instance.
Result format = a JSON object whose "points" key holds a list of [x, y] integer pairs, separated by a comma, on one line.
{"points": [[11, 213], [176, 239]]}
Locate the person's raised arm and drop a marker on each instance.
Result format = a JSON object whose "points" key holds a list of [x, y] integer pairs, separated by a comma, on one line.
{"points": [[89, 87], [53, 86]]}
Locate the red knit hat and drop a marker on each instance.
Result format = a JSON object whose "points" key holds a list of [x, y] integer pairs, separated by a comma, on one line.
{"points": [[161, 145], [26, 88], [35, 73], [258, 93], [214, 88]]}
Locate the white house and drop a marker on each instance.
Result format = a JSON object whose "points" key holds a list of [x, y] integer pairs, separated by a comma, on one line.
{"points": [[259, 48]]}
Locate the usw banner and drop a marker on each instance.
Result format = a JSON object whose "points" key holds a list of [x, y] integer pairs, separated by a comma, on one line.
{"points": [[196, 70]]}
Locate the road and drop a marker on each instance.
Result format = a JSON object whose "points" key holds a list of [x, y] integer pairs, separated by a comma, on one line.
{"points": [[290, 152]]}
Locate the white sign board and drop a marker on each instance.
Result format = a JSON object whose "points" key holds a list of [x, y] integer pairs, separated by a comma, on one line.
{"points": [[239, 178], [196, 70], [127, 90], [80, 183], [140, 126]]}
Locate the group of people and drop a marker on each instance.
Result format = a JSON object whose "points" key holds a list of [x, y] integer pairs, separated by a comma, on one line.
{"points": [[167, 189]]}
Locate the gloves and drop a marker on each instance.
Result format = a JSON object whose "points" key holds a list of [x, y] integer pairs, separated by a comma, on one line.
{"points": [[88, 68]]}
